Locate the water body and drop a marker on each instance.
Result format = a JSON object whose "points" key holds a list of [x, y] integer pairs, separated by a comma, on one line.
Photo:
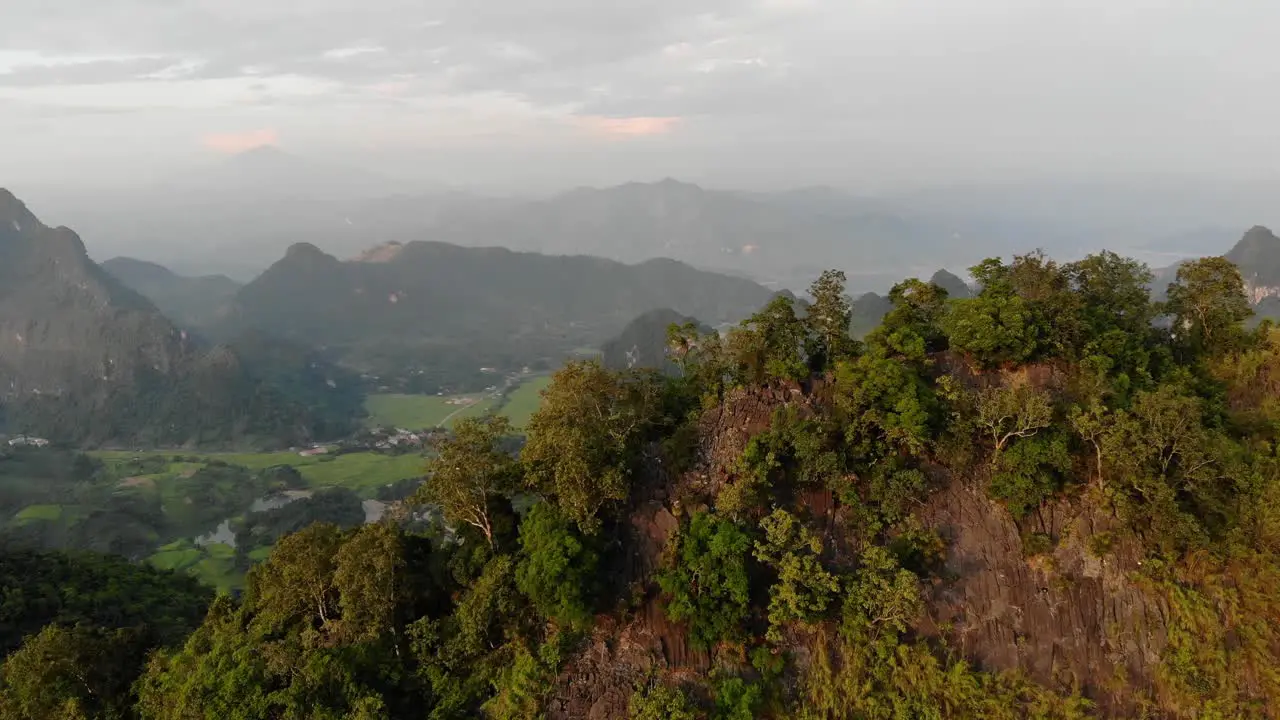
{"points": [[224, 535], [373, 510]]}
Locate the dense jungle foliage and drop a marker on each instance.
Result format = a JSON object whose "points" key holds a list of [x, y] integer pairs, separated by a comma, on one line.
{"points": [[1053, 383]]}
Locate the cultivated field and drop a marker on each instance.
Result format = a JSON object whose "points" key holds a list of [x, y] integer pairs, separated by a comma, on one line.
{"points": [[417, 412]]}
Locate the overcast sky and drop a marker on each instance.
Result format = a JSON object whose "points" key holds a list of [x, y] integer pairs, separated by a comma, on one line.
{"points": [[864, 93]]}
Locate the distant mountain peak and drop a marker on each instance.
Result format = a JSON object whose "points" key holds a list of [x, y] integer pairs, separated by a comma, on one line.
{"points": [[14, 212], [1258, 257], [1256, 239], [304, 250], [141, 265], [643, 342], [952, 283], [1260, 234], [484, 303], [670, 184], [386, 252]]}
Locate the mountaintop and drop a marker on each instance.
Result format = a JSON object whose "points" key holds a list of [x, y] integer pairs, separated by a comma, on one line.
{"points": [[13, 210], [952, 283], [1257, 254]]}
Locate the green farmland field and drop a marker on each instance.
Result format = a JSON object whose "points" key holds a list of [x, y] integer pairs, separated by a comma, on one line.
{"points": [[362, 473], [523, 402], [427, 411], [416, 412]]}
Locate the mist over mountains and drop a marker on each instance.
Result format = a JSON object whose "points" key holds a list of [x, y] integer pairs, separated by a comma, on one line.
{"points": [[130, 350], [189, 301], [301, 357], [417, 289], [237, 216]]}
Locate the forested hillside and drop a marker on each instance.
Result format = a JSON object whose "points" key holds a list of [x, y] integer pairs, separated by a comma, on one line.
{"points": [[643, 342], [84, 359], [1053, 499], [188, 301], [427, 316], [76, 630]]}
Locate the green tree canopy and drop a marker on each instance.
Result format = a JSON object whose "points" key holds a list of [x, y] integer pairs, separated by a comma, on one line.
{"points": [[583, 440], [828, 322], [708, 586], [557, 566], [471, 469], [1208, 304]]}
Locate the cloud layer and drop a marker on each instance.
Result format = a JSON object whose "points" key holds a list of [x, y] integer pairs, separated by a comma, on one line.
{"points": [[232, 143], [621, 127], [1063, 86]]}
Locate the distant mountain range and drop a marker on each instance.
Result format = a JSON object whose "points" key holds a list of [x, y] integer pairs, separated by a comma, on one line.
{"points": [[238, 216], [428, 316], [785, 239], [85, 359], [408, 310], [123, 352]]}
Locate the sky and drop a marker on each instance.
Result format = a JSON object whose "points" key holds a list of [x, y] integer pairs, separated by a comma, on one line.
{"points": [[857, 93]]}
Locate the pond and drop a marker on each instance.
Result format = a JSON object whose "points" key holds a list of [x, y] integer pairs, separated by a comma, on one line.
{"points": [[224, 535]]}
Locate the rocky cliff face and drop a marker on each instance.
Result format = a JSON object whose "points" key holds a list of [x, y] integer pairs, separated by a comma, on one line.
{"points": [[65, 325], [1068, 619]]}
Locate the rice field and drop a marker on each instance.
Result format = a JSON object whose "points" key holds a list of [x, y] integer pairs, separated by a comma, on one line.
{"points": [[362, 472], [524, 401], [419, 412], [414, 412]]}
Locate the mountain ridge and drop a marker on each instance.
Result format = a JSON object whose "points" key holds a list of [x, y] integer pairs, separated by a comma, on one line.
{"points": [[191, 301], [439, 304]]}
